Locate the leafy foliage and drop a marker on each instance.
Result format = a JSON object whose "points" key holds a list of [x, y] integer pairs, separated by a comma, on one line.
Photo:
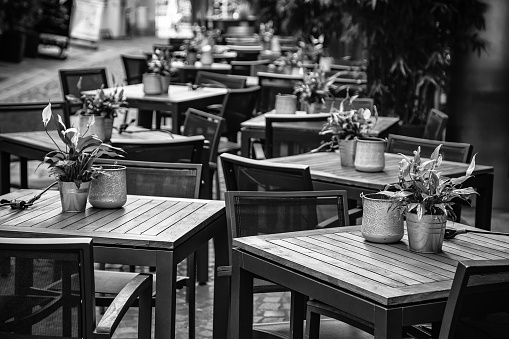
{"points": [[74, 163], [104, 104], [160, 63], [423, 190], [315, 87]]}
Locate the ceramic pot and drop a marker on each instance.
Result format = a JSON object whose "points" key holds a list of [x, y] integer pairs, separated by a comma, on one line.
{"points": [[151, 84], [380, 222], [207, 58], [425, 235], [102, 127], [109, 189], [347, 152], [370, 155], [286, 104], [312, 108], [165, 83], [73, 199]]}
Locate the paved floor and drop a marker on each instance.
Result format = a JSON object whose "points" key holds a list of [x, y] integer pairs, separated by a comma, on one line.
{"points": [[35, 80]]}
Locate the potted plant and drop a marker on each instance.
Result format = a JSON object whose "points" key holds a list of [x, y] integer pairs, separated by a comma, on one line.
{"points": [[426, 198], [346, 125], [156, 78], [99, 111], [72, 164]]}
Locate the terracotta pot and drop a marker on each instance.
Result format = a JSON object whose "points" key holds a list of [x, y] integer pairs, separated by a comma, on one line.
{"points": [[370, 155], [151, 84], [73, 199], [102, 127], [425, 235], [347, 152], [380, 222], [109, 189]]}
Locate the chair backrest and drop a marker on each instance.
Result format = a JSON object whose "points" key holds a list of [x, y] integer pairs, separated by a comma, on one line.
{"points": [[189, 74], [272, 84], [186, 150], [249, 68], [243, 174], [209, 125], [293, 141], [220, 80], [239, 105], [252, 213], [452, 151], [91, 78], [134, 67], [435, 125], [50, 290], [160, 179], [479, 291], [25, 117]]}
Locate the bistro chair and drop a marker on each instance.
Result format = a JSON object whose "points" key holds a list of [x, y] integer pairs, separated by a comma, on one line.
{"points": [[189, 74], [435, 125], [27, 117], [249, 68], [91, 79], [220, 80], [134, 67], [51, 292], [253, 213], [210, 126], [272, 84]]}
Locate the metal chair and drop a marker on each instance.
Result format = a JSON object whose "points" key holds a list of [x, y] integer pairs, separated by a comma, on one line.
{"points": [[435, 125], [249, 68], [51, 293], [272, 84], [220, 80], [134, 67]]}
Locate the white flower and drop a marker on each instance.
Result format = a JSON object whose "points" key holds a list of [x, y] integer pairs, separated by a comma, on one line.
{"points": [[46, 114]]}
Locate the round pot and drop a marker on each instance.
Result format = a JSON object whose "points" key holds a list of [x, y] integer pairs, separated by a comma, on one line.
{"points": [[347, 152], [370, 155], [109, 189], [207, 58], [285, 104], [165, 83], [73, 199], [151, 84], [425, 235], [312, 108], [380, 222], [102, 127]]}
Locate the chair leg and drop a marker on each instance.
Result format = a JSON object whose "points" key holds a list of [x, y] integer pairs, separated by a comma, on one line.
{"points": [[145, 314], [218, 186], [202, 264], [191, 293], [312, 324]]}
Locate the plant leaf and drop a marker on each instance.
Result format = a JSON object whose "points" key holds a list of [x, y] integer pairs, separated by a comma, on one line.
{"points": [[472, 166]]}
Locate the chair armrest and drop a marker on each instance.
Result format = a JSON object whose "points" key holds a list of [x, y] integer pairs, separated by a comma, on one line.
{"points": [[224, 271], [140, 286], [215, 108], [354, 214], [258, 152]]}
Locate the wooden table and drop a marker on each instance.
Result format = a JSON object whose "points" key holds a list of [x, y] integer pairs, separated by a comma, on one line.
{"points": [[385, 285], [147, 231], [327, 173], [255, 129], [35, 145], [178, 99]]}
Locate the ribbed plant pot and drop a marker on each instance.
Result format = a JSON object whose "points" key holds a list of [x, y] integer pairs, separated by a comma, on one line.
{"points": [[73, 199], [151, 84], [380, 222], [109, 189], [165, 83], [347, 152], [285, 104], [370, 154], [102, 127], [425, 235]]}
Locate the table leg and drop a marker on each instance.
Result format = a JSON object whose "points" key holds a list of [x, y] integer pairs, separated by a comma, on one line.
{"points": [[388, 323], [298, 314], [166, 269], [484, 201], [222, 247], [244, 144], [241, 317], [5, 172]]}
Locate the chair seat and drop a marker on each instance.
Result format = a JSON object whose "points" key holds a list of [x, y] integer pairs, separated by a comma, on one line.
{"points": [[329, 328]]}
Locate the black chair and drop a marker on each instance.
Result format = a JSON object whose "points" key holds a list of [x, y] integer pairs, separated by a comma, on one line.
{"points": [[220, 80], [189, 74], [249, 68], [254, 213], [91, 79], [134, 67], [435, 125], [272, 84], [51, 293]]}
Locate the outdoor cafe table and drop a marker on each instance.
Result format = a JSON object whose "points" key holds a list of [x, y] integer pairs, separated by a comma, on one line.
{"points": [[383, 284], [178, 99], [255, 129], [327, 173], [147, 231], [35, 145]]}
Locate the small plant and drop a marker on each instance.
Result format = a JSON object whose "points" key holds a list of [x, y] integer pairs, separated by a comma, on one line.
{"points": [[102, 104], [74, 162], [315, 87], [422, 189], [160, 63]]}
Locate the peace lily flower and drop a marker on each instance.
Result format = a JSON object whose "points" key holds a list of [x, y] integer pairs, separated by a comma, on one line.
{"points": [[74, 163]]}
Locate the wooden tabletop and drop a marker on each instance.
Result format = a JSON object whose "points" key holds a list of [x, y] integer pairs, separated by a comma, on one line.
{"points": [[143, 222], [388, 274]]}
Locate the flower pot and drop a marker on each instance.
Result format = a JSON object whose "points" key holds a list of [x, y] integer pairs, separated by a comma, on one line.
{"points": [[109, 189], [380, 222], [151, 84], [425, 235], [207, 58], [165, 83], [191, 58], [73, 199], [370, 155], [102, 127], [286, 104], [347, 152], [312, 108]]}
